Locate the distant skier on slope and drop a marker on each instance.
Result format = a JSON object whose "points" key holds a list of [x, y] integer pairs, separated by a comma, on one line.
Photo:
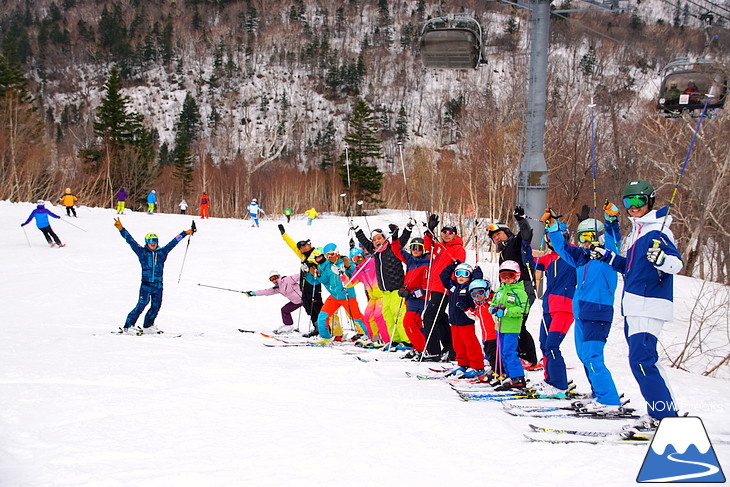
{"points": [[152, 259], [253, 211], [41, 215]]}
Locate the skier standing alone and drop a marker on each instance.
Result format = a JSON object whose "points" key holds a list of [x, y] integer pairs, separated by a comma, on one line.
{"points": [[152, 259], [41, 215], [69, 200]]}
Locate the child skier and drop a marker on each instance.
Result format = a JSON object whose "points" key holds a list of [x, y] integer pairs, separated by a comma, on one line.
{"points": [[152, 259], [593, 301], [651, 261], [414, 288], [311, 215], [41, 215], [69, 200], [509, 306], [469, 356], [481, 294], [557, 314], [287, 286]]}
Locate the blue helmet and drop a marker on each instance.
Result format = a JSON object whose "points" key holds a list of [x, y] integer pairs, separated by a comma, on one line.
{"points": [[330, 247], [480, 284], [355, 251]]}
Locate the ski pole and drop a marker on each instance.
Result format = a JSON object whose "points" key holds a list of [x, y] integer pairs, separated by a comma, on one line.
{"points": [[222, 288], [192, 227], [405, 181], [686, 160], [362, 212], [593, 166], [63, 219], [26, 235]]}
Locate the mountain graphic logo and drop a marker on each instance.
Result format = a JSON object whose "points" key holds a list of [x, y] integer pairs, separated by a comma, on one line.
{"points": [[681, 452]]}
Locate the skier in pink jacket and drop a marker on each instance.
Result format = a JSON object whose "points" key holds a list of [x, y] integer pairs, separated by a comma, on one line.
{"points": [[287, 286]]}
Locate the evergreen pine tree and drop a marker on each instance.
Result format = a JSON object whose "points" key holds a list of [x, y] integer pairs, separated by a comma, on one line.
{"points": [[364, 149], [401, 126]]}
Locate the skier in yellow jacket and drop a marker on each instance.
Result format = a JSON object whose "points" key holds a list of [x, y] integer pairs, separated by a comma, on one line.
{"points": [[69, 200], [311, 215]]}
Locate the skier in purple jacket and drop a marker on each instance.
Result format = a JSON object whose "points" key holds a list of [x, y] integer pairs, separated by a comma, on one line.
{"points": [[287, 286]]}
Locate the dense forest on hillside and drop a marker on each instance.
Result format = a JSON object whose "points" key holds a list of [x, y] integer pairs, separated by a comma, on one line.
{"points": [[261, 99]]}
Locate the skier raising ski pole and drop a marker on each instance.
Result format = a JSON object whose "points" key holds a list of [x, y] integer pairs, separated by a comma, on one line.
{"points": [[152, 259], [192, 227]]}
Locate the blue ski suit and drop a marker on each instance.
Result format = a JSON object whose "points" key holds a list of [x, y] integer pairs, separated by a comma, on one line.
{"points": [[153, 265]]}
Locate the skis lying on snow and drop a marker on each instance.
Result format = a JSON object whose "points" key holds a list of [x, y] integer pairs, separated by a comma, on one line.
{"points": [[548, 411], [557, 438]]}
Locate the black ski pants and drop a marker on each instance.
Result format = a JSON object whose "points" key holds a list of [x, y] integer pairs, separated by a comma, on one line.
{"points": [[436, 325], [50, 235], [312, 300]]}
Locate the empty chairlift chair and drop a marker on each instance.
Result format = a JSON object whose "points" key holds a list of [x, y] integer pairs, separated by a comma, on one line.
{"points": [[453, 41]]}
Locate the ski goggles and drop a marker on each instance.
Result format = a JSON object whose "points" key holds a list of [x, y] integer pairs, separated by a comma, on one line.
{"points": [[635, 200], [273, 278], [507, 274], [417, 246], [151, 238], [462, 273], [358, 258], [329, 255], [493, 227], [587, 237], [478, 293], [449, 231]]}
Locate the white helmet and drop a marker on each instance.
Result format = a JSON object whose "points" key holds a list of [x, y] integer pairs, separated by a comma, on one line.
{"points": [[274, 273], [40, 202], [463, 269], [254, 200], [511, 265]]}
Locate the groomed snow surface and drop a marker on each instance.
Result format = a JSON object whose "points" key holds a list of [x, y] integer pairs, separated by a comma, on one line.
{"points": [[80, 406]]}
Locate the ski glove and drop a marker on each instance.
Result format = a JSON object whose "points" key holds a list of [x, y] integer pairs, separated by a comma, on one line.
{"points": [[353, 226], [411, 223], [433, 222], [598, 252], [584, 214], [610, 212], [404, 293], [393, 230], [22, 224], [249, 293], [656, 256], [549, 217], [497, 311], [519, 213], [281, 229]]}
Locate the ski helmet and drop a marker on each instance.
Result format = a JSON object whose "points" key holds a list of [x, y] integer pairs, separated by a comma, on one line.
{"points": [[330, 248], [415, 242], [493, 228], [302, 243], [590, 225], [355, 251], [274, 273], [68, 190], [639, 187], [463, 270], [449, 228], [480, 284], [40, 203], [318, 252], [151, 238], [510, 266]]}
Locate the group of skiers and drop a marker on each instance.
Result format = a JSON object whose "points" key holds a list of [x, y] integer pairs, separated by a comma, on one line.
{"points": [[424, 298]]}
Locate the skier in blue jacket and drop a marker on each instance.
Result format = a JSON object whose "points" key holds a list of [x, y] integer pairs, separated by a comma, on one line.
{"points": [[649, 266], [152, 259], [593, 300], [41, 215]]}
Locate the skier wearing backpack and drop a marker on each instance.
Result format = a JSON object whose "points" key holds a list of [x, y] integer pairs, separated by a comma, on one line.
{"points": [[152, 259], [41, 215], [651, 261]]}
